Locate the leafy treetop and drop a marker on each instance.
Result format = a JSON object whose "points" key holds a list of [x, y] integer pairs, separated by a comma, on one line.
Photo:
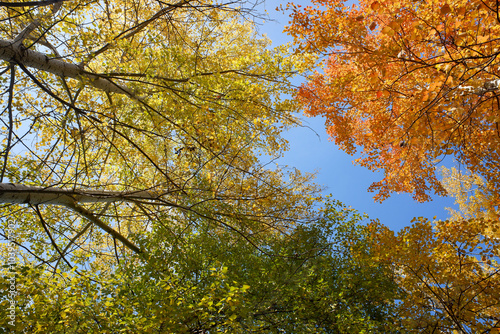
{"points": [[408, 83]]}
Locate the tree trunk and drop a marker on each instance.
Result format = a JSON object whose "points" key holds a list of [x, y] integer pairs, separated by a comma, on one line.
{"points": [[20, 194], [10, 51]]}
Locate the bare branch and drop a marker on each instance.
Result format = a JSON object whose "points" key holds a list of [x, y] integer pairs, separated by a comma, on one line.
{"points": [[115, 234], [11, 122], [53, 242]]}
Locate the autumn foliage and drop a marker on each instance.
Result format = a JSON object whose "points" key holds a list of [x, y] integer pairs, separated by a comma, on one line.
{"points": [[135, 188], [449, 272], [408, 83]]}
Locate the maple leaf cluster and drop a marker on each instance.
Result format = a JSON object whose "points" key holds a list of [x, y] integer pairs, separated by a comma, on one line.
{"points": [[407, 83]]}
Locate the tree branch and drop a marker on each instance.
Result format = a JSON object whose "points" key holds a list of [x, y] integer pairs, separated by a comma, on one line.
{"points": [[108, 229], [29, 3], [44, 225], [20, 194], [12, 52], [11, 121]]}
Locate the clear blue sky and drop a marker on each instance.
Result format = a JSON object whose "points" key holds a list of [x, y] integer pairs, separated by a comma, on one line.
{"points": [[335, 170]]}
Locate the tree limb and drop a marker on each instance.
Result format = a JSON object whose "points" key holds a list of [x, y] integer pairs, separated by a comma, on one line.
{"points": [[12, 51], [29, 3], [108, 229]]}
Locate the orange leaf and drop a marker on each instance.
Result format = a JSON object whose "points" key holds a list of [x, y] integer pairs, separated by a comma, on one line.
{"points": [[436, 36], [482, 39], [388, 31], [445, 9], [394, 25]]}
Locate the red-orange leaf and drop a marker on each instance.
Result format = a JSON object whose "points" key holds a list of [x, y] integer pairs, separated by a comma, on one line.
{"points": [[445, 9]]}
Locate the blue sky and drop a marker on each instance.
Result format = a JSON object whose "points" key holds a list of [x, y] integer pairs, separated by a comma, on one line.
{"points": [[311, 151]]}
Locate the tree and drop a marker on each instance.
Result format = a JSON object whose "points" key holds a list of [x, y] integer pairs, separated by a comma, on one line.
{"points": [[309, 281], [449, 272], [408, 83], [122, 119], [472, 195], [141, 107]]}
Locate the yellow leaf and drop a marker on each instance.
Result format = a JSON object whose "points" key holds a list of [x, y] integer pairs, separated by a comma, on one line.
{"points": [[388, 31]]}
